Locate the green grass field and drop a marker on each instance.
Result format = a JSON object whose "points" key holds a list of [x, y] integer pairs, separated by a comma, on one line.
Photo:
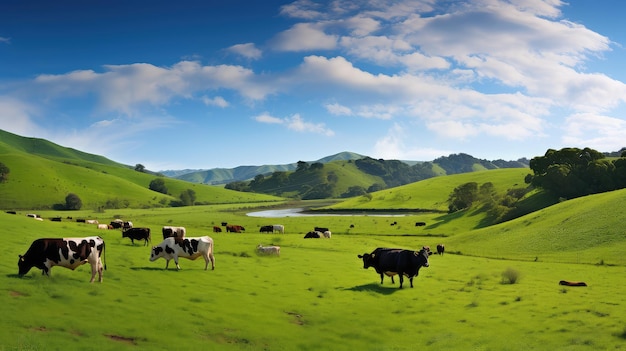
{"points": [[316, 295]]}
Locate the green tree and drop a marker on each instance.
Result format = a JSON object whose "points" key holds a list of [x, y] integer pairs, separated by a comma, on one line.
{"points": [[463, 196], [354, 191], [73, 202], [188, 197], [158, 185], [140, 168], [4, 173]]}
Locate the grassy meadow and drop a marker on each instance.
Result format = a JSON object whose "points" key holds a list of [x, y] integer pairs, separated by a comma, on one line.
{"points": [[316, 295]]}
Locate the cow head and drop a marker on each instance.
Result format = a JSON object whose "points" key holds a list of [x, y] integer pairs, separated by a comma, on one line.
{"points": [[368, 260], [156, 252], [423, 255], [23, 266]]}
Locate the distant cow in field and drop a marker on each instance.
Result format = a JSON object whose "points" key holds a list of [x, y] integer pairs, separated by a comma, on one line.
{"points": [[65, 252], [105, 226], [267, 229], [176, 232], [327, 234], [441, 249], [117, 223], [189, 248], [91, 221], [268, 250], [570, 283], [137, 234], [279, 228], [396, 261], [314, 235], [217, 229], [420, 224], [320, 229], [56, 219], [233, 228]]}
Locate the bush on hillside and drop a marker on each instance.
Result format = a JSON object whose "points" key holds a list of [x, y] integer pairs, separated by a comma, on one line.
{"points": [[73, 202], [510, 276], [4, 173], [158, 185]]}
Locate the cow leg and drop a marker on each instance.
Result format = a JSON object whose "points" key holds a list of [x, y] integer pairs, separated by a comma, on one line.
{"points": [[176, 261], [411, 280], [212, 258], [401, 279], [167, 263], [100, 270], [381, 277], [94, 269]]}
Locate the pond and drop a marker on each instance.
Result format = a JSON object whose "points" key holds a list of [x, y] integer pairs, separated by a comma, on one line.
{"points": [[300, 212]]}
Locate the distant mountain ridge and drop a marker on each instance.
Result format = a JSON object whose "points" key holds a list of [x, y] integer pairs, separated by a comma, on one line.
{"points": [[217, 176], [452, 164]]}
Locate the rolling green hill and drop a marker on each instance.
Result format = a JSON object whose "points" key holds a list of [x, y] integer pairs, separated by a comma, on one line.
{"points": [[42, 174]]}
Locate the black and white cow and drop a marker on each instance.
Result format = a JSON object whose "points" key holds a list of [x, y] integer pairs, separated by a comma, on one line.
{"points": [[396, 261], [65, 252], [267, 229], [189, 248]]}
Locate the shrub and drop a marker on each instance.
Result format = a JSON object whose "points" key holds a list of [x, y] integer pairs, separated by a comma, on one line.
{"points": [[510, 276]]}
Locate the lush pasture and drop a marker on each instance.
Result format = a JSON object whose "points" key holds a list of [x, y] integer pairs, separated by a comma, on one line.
{"points": [[316, 296]]}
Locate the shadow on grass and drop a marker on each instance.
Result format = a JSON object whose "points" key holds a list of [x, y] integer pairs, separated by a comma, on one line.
{"points": [[154, 269], [374, 287], [18, 276]]}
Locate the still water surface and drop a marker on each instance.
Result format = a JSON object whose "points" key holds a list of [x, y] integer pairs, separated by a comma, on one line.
{"points": [[298, 212]]}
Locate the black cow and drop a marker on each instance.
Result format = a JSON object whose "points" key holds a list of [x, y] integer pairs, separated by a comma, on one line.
{"points": [[65, 252], [267, 229], [420, 224], [396, 261], [137, 234], [321, 229], [314, 234], [440, 249]]}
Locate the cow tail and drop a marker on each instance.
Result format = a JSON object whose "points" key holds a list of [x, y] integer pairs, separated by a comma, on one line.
{"points": [[104, 254]]}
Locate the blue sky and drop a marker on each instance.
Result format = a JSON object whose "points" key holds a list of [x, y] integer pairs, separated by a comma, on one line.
{"points": [[208, 84]]}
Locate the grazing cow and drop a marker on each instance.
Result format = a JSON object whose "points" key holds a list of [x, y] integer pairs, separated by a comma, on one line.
{"points": [[224, 224], [176, 232], [217, 229], [351, 226], [314, 234], [65, 252], [268, 250], [117, 223], [420, 224], [569, 283], [233, 228], [11, 212], [320, 229], [190, 248], [396, 261], [127, 225], [327, 234], [56, 219], [91, 221], [137, 234], [267, 229], [104, 226], [440, 249], [278, 228]]}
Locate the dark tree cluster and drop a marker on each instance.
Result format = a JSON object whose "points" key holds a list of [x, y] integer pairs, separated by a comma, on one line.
{"points": [[573, 172], [394, 172]]}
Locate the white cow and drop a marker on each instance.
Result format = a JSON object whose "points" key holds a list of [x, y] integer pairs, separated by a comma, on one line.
{"points": [[327, 234], [189, 248], [268, 250], [103, 226], [279, 228], [91, 221]]}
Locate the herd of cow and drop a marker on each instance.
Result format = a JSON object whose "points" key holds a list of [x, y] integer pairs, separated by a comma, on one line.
{"points": [[73, 252]]}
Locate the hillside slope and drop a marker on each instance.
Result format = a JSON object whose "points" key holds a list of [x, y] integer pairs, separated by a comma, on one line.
{"points": [[588, 229], [42, 174]]}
